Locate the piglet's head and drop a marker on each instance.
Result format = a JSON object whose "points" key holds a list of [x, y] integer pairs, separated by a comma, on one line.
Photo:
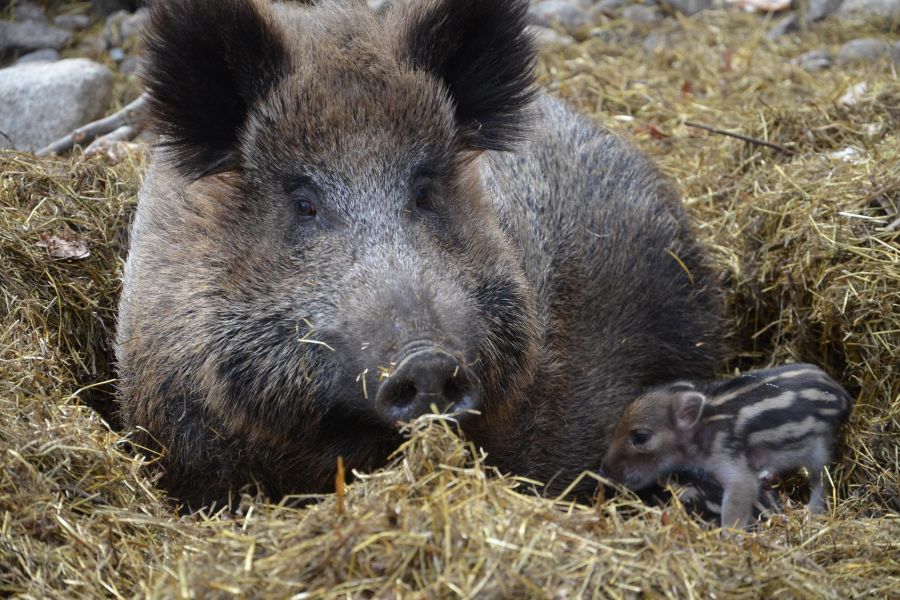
{"points": [[654, 435]]}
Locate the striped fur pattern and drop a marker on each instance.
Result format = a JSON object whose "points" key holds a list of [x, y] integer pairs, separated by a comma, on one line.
{"points": [[701, 495], [741, 431]]}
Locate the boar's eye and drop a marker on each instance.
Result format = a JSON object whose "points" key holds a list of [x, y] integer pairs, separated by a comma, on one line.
{"points": [[304, 199], [306, 208], [423, 194], [639, 437]]}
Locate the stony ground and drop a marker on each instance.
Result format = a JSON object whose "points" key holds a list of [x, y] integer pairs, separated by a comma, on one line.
{"points": [[73, 62]]}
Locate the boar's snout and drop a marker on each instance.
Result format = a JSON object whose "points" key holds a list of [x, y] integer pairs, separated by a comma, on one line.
{"points": [[427, 377]]}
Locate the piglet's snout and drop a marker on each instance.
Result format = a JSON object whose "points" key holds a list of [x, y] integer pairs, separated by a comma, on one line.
{"points": [[424, 378]]}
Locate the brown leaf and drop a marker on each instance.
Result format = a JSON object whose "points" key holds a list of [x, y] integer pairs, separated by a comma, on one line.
{"points": [[60, 248], [652, 130]]}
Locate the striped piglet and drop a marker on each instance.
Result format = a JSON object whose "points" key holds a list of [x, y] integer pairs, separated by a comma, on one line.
{"points": [[742, 430]]}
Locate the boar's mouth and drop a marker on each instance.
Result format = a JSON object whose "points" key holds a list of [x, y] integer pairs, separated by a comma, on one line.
{"points": [[426, 377]]}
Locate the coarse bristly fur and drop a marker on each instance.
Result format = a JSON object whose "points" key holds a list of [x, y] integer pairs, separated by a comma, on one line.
{"points": [[338, 193]]}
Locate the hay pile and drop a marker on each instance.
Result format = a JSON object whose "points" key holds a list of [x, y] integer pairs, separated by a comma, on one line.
{"points": [[813, 271]]}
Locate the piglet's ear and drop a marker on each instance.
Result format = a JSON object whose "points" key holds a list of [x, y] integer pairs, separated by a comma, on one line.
{"points": [[207, 63], [688, 409], [480, 51]]}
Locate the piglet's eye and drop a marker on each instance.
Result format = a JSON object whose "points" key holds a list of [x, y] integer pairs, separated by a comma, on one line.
{"points": [[639, 437]]}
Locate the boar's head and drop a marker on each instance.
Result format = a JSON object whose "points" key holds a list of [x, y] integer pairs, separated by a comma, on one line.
{"points": [[314, 257]]}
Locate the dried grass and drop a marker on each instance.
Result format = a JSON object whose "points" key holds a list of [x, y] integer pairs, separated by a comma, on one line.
{"points": [[810, 263]]}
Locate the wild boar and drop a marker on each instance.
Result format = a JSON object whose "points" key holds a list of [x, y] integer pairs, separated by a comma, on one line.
{"points": [[741, 431], [352, 217]]}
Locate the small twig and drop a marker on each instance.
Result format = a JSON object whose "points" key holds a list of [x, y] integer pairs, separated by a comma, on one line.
{"points": [[340, 482], [132, 115], [740, 136], [893, 225], [125, 133]]}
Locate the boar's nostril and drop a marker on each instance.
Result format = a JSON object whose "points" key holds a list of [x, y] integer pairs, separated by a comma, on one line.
{"points": [[424, 378], [404, 394], [453, 392]]}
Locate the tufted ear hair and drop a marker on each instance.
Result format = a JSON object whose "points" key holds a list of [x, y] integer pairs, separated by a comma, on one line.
{"points": [[481, 52], [688, 408], [206, 63]]}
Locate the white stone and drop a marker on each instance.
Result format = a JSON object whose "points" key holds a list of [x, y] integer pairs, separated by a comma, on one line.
{"points": [[550, 12], [691, 7], [40, 102], [814, 60], [888, 9], [544, 36], [45, 55], [28, 36], [863, 50]]}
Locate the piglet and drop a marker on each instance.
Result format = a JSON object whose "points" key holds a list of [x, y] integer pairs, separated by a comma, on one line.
{"points": [[741, 431]]}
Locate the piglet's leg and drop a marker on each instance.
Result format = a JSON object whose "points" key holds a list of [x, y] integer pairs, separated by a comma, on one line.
{"points": [[740, 492], [817, 488], [819, 483]]}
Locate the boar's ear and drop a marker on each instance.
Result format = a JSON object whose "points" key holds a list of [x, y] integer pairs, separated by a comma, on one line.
{"points": [[481, 52], [688, 408], [207, 62]]}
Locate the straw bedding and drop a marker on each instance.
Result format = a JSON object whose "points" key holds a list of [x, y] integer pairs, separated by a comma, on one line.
{"points": [[807, 240]]}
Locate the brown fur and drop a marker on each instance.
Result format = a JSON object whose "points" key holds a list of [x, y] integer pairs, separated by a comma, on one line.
{"points": [[246, 327]]}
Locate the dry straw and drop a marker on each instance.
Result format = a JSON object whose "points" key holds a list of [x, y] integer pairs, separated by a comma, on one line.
{"points": [[807, 239]]}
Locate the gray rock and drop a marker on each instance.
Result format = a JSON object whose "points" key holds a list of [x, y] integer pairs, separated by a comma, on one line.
{"points": [[112, 28], [544, 36], [615, 36], [45, 55], [814, 60], [30, 35], [117, 54], [888, 9], [133, 25], [29, 11], [91, 46], [785, 25], [72, 22], [41, 102], [122, 26], [130, 65], [690, 7], [550, 12], [641, 14], [608, 6], [819, 9], [107, 7], [863, 50], [657, 41], [816, 10]]}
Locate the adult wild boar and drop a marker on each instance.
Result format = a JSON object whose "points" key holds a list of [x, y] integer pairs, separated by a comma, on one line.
{"points": [[352, 217]]}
